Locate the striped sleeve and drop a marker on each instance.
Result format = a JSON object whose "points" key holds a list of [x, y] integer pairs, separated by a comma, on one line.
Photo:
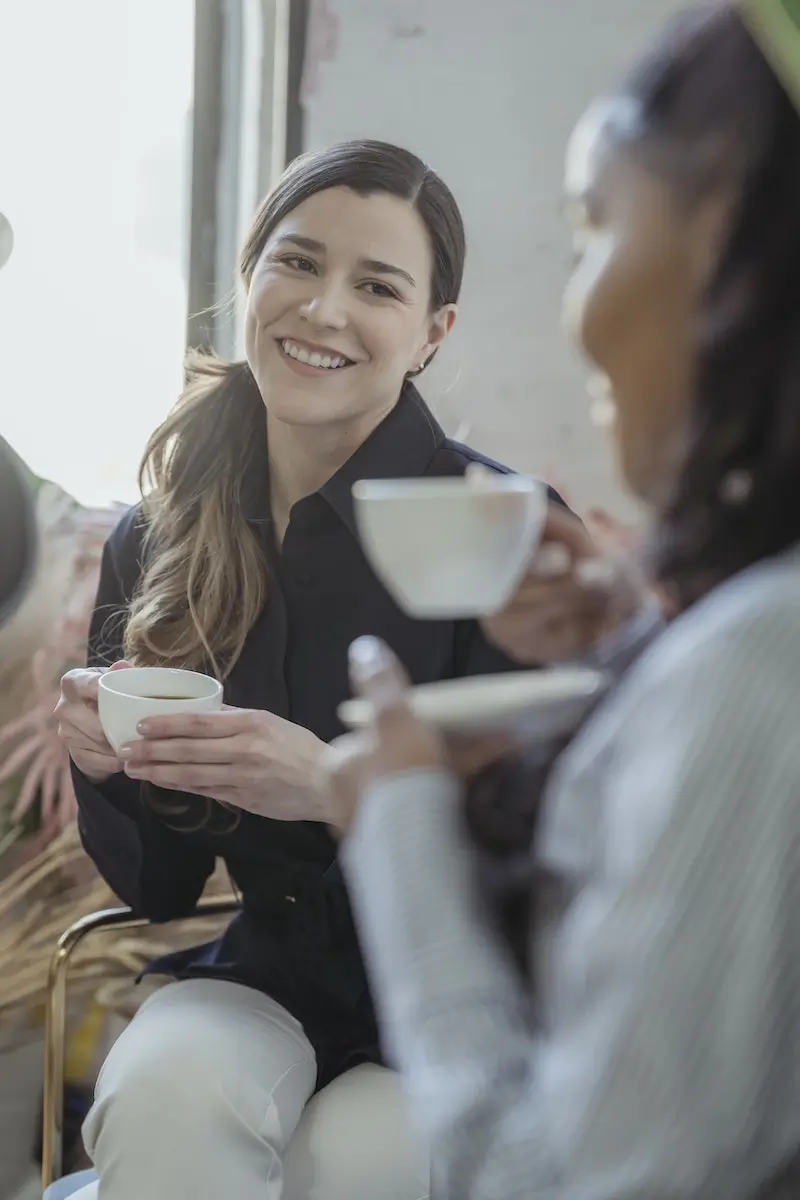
{"points": [[667, 1065]]}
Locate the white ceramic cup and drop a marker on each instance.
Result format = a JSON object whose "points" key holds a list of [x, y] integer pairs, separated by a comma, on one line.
{"points": [[125, 697], [453, 547]]}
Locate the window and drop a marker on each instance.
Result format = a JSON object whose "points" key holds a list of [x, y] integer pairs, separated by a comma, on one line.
{"points": [[96, 101]]}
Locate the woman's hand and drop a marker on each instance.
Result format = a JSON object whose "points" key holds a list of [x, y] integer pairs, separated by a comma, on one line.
{"points": [[570, 599], [79, 725], [396, 740], [242, 757]]}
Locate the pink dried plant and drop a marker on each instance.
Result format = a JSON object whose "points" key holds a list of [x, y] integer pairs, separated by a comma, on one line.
{"points": [[32, 754]]}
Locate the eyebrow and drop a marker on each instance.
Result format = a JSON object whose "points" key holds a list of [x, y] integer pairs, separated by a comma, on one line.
{"points": [[367, 264]]}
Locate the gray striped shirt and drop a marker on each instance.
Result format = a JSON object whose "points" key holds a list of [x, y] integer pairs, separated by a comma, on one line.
{"points": [[664, 1059]]}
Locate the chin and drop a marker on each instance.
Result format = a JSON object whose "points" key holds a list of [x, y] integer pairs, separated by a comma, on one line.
{"points": [[304, 416], [645, 478], [297, 407]]}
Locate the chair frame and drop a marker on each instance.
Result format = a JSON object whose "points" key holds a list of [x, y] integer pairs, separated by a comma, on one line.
{"points": [[121, 920]]}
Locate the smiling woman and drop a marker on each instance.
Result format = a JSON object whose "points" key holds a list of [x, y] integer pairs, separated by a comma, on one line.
{"points": [[243, 561], [358, 253], [359, 268]]}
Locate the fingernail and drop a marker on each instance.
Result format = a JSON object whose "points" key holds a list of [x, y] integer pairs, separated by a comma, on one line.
{"points": [[124, 752], [371, 671], [132, 770], [368, 655], [143, 728]]}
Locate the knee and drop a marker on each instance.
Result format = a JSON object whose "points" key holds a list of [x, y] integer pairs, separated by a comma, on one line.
{"points": [[200, 1062], [152, 1077], [170, 1068], [355, 1141]]}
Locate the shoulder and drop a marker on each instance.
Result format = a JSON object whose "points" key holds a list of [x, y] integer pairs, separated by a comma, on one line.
{"points": [[701, 733], [755, 615], [732, 661], [453, 458], [125, 547], [459, 457], [129, 531]]}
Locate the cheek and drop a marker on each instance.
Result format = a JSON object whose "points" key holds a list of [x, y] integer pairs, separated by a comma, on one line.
{"points": [[263, 298], [627, 313], [389, 335], [250, 334], [600, 308]]}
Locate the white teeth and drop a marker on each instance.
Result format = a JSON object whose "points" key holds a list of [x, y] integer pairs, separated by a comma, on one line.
{"points": [[313, 359]]}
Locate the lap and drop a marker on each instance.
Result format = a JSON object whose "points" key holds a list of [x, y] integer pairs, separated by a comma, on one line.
{"points": [[356, 1139], [203, 1054], [210, 1027]]}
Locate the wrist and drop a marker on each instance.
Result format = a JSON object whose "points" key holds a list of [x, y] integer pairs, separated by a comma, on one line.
{"points": [[96, 777], [318, 800], [406, 790]]}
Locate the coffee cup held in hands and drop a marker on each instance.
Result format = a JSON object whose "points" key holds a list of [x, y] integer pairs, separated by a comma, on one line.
{"points": [[124, 698], [450, 547]]}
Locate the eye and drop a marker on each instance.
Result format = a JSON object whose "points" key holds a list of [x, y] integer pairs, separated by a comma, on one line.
{"points": [[374, 288], [297, 262]]}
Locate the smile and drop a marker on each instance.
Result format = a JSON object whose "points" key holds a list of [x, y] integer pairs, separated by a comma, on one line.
{"points": [[317, 360]]}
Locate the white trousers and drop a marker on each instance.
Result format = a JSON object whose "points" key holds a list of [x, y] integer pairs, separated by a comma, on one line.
{"points": [[208, 1094]]}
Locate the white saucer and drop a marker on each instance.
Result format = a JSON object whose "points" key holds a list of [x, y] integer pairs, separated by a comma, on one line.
{"points": [[532, 704]]}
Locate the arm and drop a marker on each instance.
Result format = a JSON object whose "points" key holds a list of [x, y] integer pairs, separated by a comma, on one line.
{"points": [[665, 1068], [158, 872], [617, 652], [476, 655]]}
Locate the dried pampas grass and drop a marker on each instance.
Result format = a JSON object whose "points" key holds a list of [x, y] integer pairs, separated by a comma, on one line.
{"points": [[45, 894]]}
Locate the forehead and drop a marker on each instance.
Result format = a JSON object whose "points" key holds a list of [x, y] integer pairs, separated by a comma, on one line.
{"points": [[379, 226], [596, 140]]}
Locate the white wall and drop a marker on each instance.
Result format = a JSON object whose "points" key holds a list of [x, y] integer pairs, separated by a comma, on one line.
{"points": [[487, 93]]}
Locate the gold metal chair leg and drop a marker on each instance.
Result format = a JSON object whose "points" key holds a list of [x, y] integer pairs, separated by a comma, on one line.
{"points": [[121, 920]]}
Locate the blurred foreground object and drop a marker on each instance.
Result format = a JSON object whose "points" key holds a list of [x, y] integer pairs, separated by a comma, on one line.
{"points": [[6, 239], [19, 538], [775, 26]]}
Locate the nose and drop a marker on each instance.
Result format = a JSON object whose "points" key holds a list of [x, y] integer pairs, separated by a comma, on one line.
{"points": [[326, 308]]}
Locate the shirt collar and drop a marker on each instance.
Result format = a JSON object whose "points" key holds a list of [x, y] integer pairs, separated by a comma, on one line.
{"points": [[402, 446]]}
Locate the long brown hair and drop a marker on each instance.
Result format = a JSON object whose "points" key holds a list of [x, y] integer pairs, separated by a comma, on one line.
{"points": [[204, 576]]}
